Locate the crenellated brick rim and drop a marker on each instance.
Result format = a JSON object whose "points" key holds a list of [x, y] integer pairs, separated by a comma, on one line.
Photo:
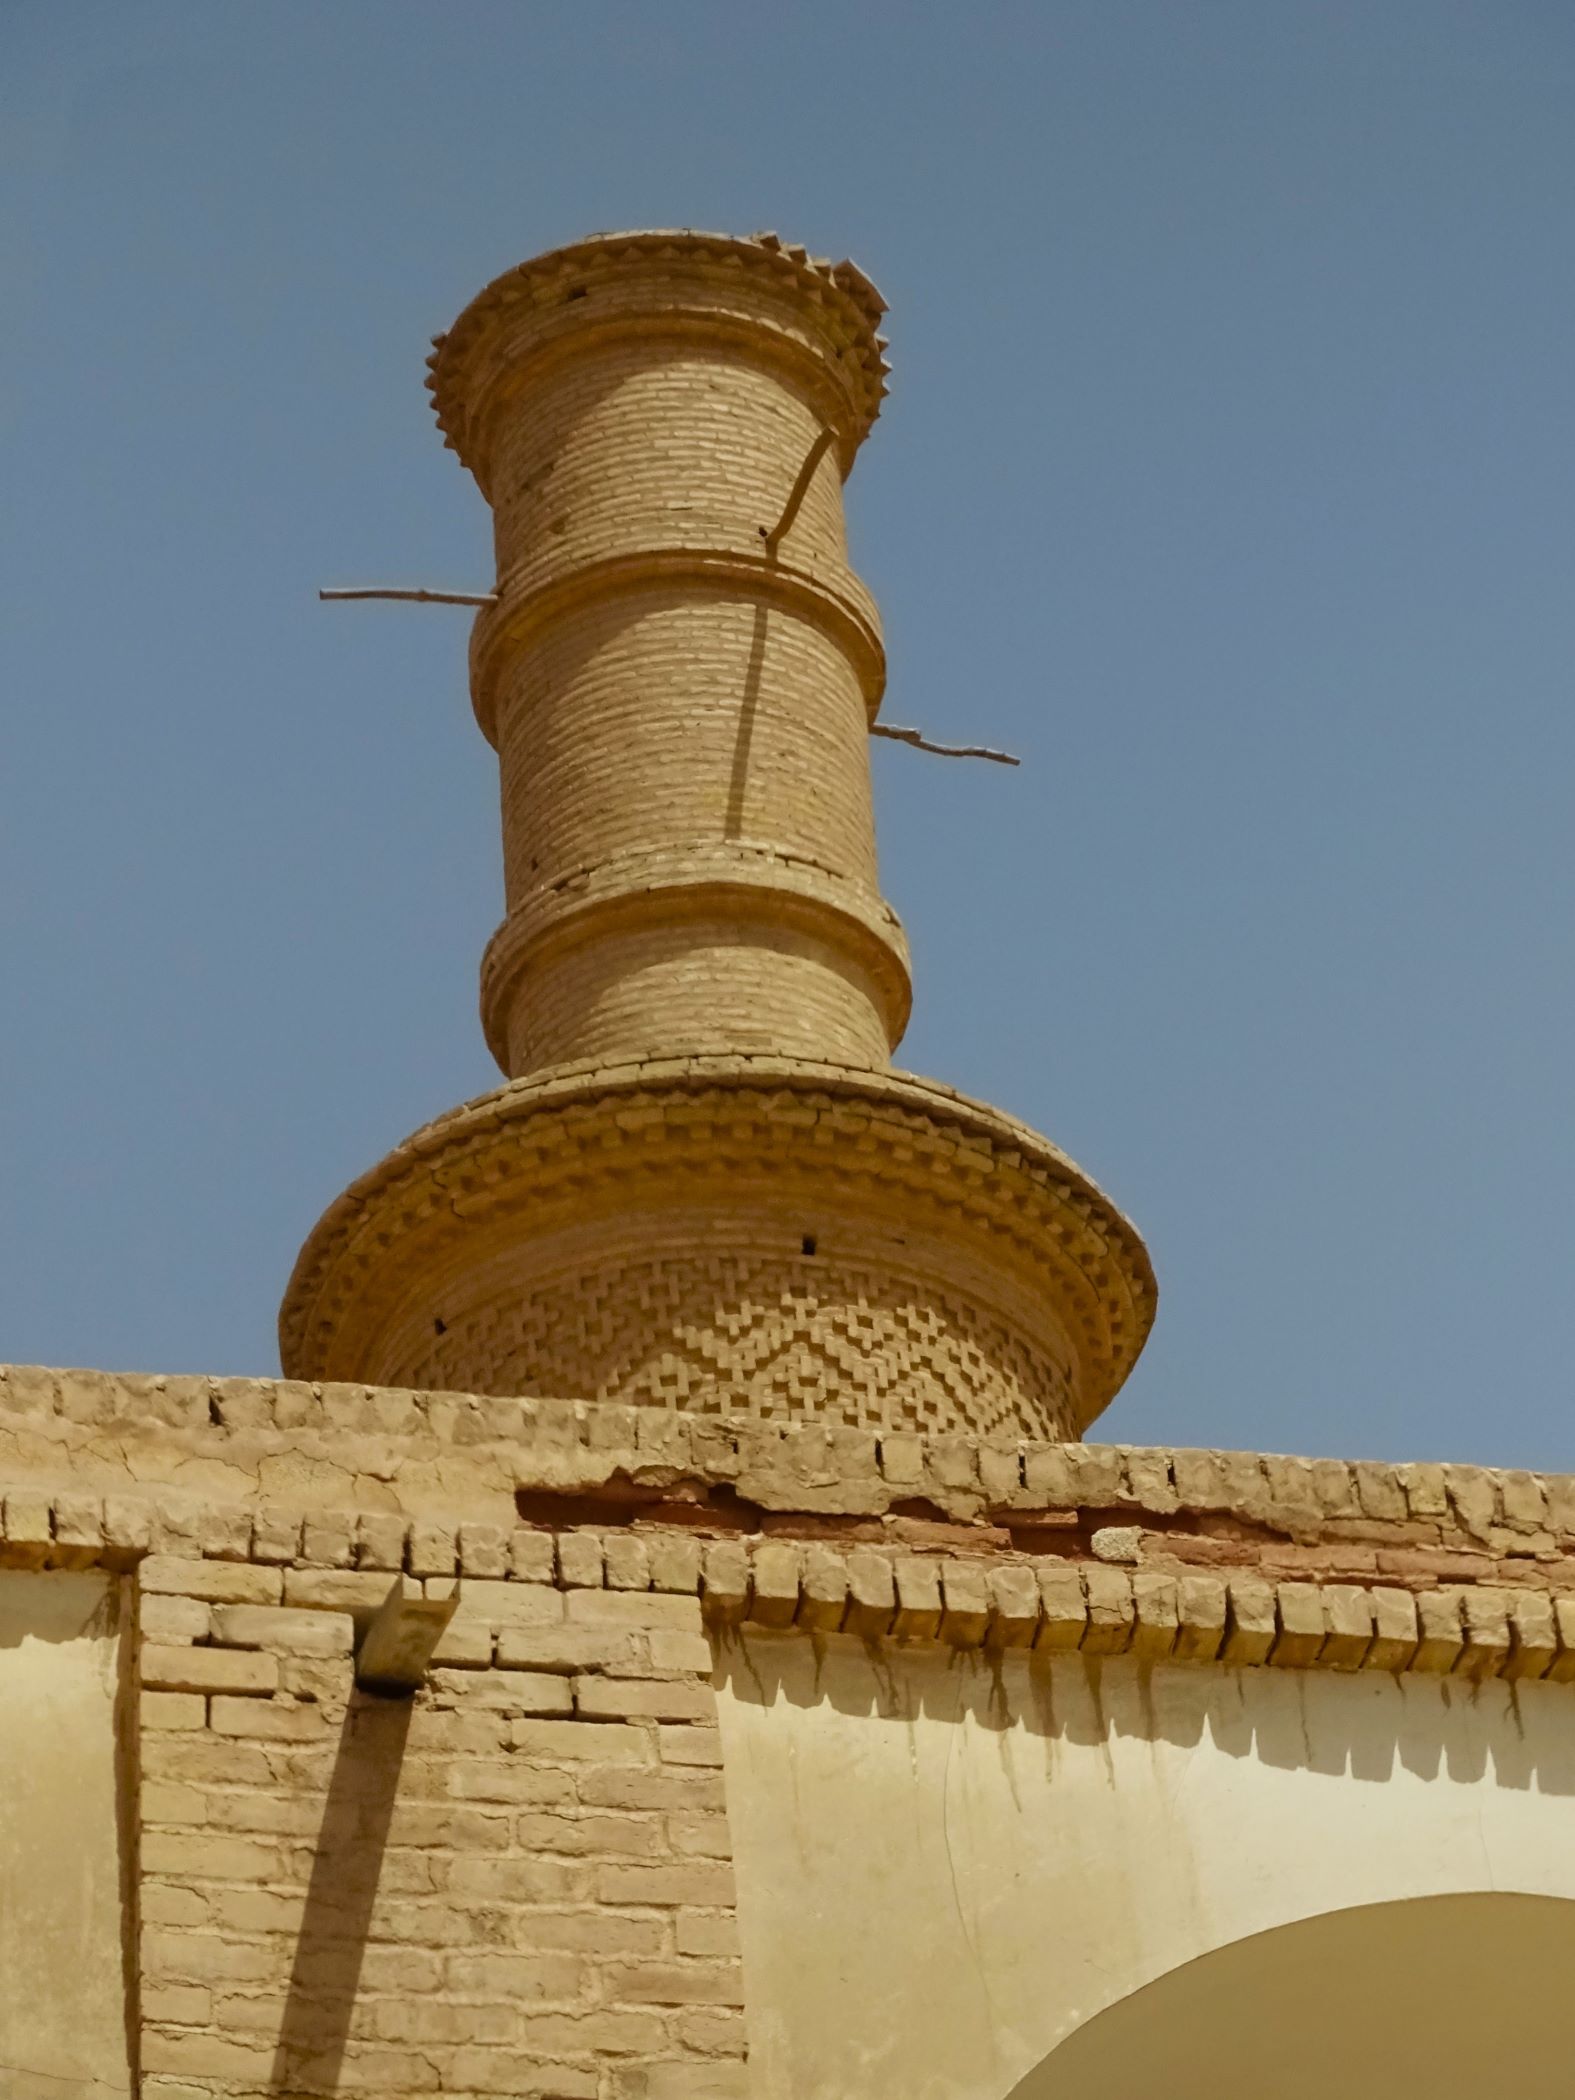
{"points": [[847, 305]]}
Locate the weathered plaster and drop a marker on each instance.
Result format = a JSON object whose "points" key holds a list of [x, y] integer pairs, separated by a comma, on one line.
{"points": [[948, 1861], [62, 1982]]}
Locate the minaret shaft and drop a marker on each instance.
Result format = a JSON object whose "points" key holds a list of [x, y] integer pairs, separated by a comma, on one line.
{"points": [[681, 669]]}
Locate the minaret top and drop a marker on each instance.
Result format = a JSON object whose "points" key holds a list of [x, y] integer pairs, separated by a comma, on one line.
{"points": [[829, 309]]}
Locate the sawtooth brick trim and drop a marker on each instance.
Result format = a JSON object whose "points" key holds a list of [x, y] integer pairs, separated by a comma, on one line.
{"points": [[1184, 1555], [1096, 1609]]}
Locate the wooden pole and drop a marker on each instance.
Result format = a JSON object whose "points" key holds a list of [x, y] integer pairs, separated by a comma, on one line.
{"points": [[414, 597], [922, 743]]}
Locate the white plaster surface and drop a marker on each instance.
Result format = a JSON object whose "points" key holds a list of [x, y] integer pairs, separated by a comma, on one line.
{"points": [[62, 1980], [947, 1862]]}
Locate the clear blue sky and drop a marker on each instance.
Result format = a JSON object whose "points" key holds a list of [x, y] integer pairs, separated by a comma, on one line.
{"points": [[1227, 476]]}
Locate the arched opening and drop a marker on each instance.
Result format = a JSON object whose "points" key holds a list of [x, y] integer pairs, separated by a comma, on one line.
{"points": [[1452, 1996]]}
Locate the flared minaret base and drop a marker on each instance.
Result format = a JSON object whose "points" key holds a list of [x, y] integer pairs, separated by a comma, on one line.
{"points": [[703, 1187]]}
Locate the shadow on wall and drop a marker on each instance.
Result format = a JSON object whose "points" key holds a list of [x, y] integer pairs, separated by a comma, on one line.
{"points": [[1363, 1725], [1451, 1996], [58, 1605], [346, 1864]]}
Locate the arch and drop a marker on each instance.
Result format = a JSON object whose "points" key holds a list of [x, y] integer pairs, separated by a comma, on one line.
{"points": [[1452, 1996]]}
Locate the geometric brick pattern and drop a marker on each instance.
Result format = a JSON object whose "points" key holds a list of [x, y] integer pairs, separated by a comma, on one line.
{"points": [[957, 1226], [756, 1335]]}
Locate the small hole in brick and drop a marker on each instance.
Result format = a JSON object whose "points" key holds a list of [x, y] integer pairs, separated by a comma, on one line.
{"points": [[576, 291], [809, 1243], [440, 1327]]}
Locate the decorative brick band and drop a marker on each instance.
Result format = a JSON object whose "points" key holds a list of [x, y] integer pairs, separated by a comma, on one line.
{"points": [[848, 306], [1134, 1597], [844, 610], [945, 1199], [1055, 1607]]}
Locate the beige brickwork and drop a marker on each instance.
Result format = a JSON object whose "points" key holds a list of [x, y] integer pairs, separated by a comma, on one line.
{"points": [[705, 1395], [679, 670], [520, 1883], [103, 1468], [704, 1189], [734, 1235], [1176, 1555]]}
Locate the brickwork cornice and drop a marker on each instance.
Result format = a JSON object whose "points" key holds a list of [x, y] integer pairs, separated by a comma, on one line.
{"points": [[1186, 1556], [991, 1193], [1107, 1548], [526, 305]]}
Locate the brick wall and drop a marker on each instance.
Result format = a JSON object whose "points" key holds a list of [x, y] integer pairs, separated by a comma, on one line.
{"points": [[517, 1883]]}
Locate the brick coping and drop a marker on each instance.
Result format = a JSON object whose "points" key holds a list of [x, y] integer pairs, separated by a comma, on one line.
{"points": [[343, 1563], [811, 1469], [1184, 1555]]}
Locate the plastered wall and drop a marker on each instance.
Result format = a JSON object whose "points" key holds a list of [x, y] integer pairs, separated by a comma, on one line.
{"points": [[947, 1861], [63, 2012]]}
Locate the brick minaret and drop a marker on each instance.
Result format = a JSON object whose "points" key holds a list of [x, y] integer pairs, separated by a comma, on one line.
{"points": [[703, 1187], [680, 673]]}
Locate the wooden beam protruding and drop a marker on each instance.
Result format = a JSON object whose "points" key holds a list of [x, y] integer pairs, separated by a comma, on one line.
{"points": [[396, 1650]]}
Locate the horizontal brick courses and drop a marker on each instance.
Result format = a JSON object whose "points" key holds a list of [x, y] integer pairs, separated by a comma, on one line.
{"points": [[188, 1669], [509, 1444], [544, 1871], [500, 1941]]}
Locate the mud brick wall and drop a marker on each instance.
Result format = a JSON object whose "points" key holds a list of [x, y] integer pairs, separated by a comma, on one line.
{"points": [[517, 1883]]}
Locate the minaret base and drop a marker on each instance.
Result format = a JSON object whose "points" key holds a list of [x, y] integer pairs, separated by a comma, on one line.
{"points": [[732, 1236]]}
